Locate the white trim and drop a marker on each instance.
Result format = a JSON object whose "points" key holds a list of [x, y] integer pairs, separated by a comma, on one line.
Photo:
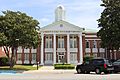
{"points": [[65, 32], [90, 35], [48, 49], [19, 62], [73, 49], [101, 50], [42, 45], [33, 50], [26, 62], [61, 50], [94, 50], [87, 50], [92, 39]]}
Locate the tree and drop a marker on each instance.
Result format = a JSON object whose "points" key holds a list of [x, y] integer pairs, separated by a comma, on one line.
{"points": [[17, 29], [109, 24]]}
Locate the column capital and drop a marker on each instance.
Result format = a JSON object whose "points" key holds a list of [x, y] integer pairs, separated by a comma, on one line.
{"points": [[80, 34], [54, 34]]}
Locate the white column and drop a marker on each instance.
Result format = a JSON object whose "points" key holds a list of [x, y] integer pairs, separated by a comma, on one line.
{"points": [[80, 48], [110, 54], [68, 48], [54, 53], [42, 46], [115, 54]]}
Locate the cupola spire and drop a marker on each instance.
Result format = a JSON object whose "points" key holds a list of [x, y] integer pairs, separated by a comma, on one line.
{"points": [[59, 13]]}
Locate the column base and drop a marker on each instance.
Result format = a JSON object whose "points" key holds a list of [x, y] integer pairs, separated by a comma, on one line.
{"points": [[80, 63], [41, 64]]}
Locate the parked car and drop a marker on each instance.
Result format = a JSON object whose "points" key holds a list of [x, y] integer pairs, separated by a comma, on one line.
{"points": [[95, 65], [116, 65]]}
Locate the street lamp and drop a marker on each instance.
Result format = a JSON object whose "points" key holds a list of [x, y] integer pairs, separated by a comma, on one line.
{"points": [[15, 48], [37, 65]]}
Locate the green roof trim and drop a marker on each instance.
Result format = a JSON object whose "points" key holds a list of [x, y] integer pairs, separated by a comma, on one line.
{"points": [[91, 30]]}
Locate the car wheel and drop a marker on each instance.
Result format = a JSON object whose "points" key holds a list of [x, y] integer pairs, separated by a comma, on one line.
{"points": [[115, 71], [97, 70], [79, 71], [87, 72]]}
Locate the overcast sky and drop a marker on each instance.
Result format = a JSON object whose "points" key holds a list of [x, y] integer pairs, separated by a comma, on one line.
{"points": [[83, 13]]}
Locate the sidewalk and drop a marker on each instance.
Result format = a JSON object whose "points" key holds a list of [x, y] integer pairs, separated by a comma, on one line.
{"points": [[51, 69]]}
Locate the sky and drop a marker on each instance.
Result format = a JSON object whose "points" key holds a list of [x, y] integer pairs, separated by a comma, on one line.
{"points": [[83, 13]]}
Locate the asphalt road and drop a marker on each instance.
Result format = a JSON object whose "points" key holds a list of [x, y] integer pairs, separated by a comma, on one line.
{"points": [[58, 75]]}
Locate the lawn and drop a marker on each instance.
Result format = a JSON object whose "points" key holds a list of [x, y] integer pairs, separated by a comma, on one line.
{"points": [[20, 67]]}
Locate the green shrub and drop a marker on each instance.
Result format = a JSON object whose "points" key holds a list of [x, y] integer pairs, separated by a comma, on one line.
{"points": [[4, 61], [87, 58], [64, 66]]}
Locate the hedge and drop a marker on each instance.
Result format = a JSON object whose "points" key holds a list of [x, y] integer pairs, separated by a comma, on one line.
{"points": [[4, 61], [64, 66]]}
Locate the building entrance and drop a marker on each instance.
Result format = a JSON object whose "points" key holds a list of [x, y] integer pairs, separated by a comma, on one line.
{"points": [[61, 57]]}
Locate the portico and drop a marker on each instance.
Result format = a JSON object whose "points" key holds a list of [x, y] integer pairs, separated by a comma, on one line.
{"points": [[59, 47]]}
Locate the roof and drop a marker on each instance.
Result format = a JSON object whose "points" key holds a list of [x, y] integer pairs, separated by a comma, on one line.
{"points": [[91, 31], [61, 26]]}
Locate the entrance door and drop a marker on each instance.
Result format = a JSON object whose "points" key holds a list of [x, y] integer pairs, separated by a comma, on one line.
{"points": [[61, 57]]}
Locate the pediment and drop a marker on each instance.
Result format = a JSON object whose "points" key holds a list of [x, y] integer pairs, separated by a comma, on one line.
{"points": [[61, 26]]}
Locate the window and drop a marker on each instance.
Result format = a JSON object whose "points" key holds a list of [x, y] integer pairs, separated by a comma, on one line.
{"points": [[94, 44], [26, 56], [19, 57], [87, 44], [34, 56], [60, 42], [73, 56], [48, 42], [73, 42], [48, 56]]}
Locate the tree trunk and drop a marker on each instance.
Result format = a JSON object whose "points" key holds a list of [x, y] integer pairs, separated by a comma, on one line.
{"points": [[13, 59]]}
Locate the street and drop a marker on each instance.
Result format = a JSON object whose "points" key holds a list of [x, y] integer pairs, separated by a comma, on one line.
{"points": [[58, 75]]}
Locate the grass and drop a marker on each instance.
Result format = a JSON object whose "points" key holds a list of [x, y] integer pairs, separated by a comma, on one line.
{"points": [[19, 67]]}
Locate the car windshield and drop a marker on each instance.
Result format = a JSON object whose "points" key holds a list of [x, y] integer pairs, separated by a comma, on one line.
{"points": [[98, 61]]}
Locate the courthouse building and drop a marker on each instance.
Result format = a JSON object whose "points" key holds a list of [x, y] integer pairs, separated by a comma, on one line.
{"points": [[62, 41]]}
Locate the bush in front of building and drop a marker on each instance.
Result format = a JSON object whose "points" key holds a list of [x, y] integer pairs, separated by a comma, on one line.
{"points": [[4, 61], [64, 66], [87, 58]]}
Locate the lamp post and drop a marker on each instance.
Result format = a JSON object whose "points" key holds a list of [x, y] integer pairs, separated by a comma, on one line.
{"points": [[15, 48], [37, 65]]}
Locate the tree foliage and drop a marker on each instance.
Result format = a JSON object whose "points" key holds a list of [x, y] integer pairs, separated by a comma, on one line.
{"points": [[109, 24], [17, 29]]}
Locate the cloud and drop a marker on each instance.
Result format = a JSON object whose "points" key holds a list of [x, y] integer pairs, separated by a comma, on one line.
{"points": [[44, 20], [83, 13]]}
